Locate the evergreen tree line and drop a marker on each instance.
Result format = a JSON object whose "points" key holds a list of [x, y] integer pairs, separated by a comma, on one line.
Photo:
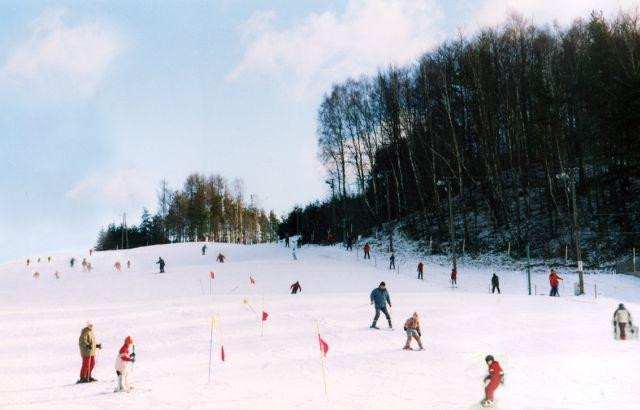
{"points": [[206, 208], [510, 120]]}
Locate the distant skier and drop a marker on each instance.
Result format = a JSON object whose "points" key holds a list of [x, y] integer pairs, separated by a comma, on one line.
{"points": [[286, 241], [38, 260], [380, 297], [622, 318], [454, 278], [349, 242], [36, 275], [330, 239], [117, 266], [412, 328], [295, 288], [123, 365], [392, 262], [491, 382], [72, 262], [421, 271], [88, 347], [49, 259], [90, 252], [204, 249], [128, 264], [161, 263], [56, 274], [28, 262], [367, 250], [220, 258], [84, 264], [553, 281], [495, 283]]}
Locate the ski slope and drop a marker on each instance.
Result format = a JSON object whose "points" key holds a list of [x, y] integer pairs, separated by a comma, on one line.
{"points": [[557, 353]]}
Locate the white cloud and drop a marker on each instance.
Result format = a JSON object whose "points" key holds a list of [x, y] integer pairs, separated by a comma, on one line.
{"points": [[126, 188], [493, 12], [61, 55], [327, 47]]}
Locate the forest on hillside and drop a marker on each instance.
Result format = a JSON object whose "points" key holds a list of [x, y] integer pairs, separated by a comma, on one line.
{"points": [[206, 208], [513, 122]]}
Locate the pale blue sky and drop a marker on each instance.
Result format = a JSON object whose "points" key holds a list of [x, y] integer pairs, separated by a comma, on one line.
{"points": [[101, 100]]}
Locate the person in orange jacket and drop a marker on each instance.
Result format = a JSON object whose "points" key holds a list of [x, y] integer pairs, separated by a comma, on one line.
{"points": [[420, 270], [491, 382], [367, 249], [454, 278], [553, 281]]}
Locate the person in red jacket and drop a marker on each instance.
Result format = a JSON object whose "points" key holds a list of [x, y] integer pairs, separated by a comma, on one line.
{"points": [[420, 270], [295, 288], [553, 281], [367, 249], [454, 278], [123, 364], [491, 382]]}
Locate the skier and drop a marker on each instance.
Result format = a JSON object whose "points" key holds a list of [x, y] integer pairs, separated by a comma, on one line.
{"points": [[88, 346], [349, 242], [392, 262], [204, 249], [412, 328], [90, 252], [293, 253], [72, 262], [622, 317], [56, 274], [286, 241], [495, 377], [420, 271], [49, 259], [38, 260], [295, 288], [28, 262], [128, 264], [330, 239], [36, 275], [84, 264], [367, 249], [495, 283], [220, 258], [553, 281], [161, 263], [117, 265], [454, 278], [123, 365], [380, 297]]}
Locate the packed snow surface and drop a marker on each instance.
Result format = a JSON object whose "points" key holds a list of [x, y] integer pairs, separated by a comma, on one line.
{"points": [[557, 353]]}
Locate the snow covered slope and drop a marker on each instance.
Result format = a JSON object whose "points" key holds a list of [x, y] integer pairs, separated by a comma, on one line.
{"points": [[557, 353]]}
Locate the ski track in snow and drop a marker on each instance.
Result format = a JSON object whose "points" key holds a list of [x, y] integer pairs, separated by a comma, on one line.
{"points": [[557, 353]]}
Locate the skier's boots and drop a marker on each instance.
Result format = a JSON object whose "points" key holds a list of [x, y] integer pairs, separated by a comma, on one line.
{"points": [[373, 326], [82, 380], [487, 403], [390, 326], [407, 347]]}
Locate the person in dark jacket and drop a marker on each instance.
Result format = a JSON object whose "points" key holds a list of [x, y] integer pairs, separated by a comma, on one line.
{"points": [[380, 297], [295, 288], [420, 270], [392, 261], [204, 249], [622, 318], [349, 242], [495, 283], [161, 263], [286, 241], [72, 262]]}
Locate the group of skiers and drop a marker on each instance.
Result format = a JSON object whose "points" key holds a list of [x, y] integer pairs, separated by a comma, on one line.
{"points": [[88, 350]]}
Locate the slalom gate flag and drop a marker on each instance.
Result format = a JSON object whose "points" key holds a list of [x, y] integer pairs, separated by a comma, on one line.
{"points": [[265, 315], [212, 275], [324, 346], [222, 353], [251, 280]]}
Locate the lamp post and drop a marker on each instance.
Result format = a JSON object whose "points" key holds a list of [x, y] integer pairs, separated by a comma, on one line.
{"points": [[570, 176], [452, 231]]}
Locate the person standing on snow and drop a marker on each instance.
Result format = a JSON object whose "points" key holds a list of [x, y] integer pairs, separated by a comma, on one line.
{"points": [[412, 328], [72, 262], [553, 281], [367, 249], [161, 263], [88, 348], [128, 264], [349, 242], [420, 271], [295, 288], [454, 278], [204, 249], [392, 262], [380, 297], [622, 317], [495, 283], [220, 258], [117, 266], [491, 382], [123, 364], [286, 241]]}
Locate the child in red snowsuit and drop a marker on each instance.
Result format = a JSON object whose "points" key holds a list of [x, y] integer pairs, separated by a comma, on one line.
{"points": [[454, 277], [123, 365], [493, 379]]}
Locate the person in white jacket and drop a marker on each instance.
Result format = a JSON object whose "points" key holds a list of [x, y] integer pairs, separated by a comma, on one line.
{"points": [[622, 317], [123, 364]]}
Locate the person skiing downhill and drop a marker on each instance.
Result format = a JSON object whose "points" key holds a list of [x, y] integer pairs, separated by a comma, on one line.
{"points": [[72, 262], [117, 266], [492, 380], [622, 318], [380, 297], [88, 348], [204, 249], [161, 263], [392, 262], [295, 288], [220, 258], [123, 365], [367, 249], [553, 281], [454, 278], [412, 328], [495, 283], [420, 271]]}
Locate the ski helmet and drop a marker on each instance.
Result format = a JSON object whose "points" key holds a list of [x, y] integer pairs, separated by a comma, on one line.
{"points": [[489, 358], [621, 306]]}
